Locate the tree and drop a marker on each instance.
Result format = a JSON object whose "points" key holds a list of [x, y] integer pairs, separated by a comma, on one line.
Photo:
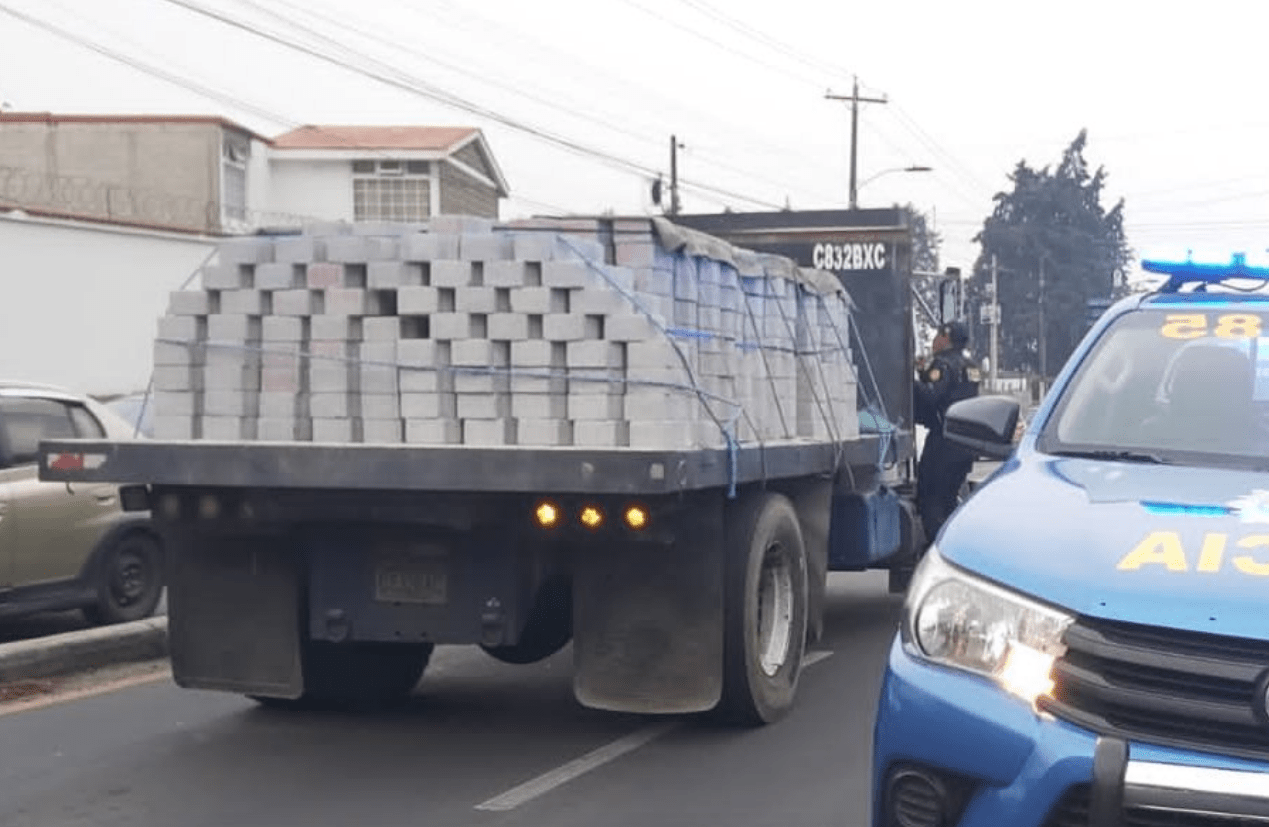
{"points": [[1056, 247]]}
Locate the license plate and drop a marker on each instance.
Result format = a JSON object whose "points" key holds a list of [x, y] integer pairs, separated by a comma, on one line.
{"points": [[412, 580]]}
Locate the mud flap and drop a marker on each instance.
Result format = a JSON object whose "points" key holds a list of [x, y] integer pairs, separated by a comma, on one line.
{"points": [[648, 617], [234, 612]]}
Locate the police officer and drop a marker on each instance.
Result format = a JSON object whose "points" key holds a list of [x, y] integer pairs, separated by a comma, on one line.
{"points": [[950, 377]]}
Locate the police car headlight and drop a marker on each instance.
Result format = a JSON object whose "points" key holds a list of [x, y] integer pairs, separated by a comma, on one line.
{"points": [[962, 621]]}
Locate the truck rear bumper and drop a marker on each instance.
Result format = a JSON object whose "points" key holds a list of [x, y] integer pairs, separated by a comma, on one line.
{"points": [[986, 758], [248, 594]]}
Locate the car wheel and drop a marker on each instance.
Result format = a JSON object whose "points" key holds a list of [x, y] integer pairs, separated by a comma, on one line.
{"points": [[129, 580]]}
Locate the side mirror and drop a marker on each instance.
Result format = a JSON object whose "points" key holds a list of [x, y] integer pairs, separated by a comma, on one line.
{"points": [[983, 424]]}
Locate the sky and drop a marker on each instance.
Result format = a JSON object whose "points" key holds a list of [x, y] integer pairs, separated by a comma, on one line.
{"points": [[579, 100]]}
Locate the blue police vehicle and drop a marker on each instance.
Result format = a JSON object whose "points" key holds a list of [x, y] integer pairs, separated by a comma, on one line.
{"points": [[1087, 641]]}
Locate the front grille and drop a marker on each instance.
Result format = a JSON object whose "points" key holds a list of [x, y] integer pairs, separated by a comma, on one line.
{"points": [[1072, 811], [1181, 689]]}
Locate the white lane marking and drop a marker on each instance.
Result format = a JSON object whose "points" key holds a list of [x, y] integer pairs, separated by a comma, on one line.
{"points": [[812, 658], [546, 782]]}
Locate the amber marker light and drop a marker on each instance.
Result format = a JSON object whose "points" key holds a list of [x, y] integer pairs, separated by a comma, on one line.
{"points": [[547, 514], [636, 517], [592, 517]]}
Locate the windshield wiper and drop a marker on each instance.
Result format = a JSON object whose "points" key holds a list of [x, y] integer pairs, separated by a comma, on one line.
{"points": [[1115, 454]]}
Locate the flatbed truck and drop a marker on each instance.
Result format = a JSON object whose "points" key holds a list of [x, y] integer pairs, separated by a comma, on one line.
{"points": [[686, 580]]}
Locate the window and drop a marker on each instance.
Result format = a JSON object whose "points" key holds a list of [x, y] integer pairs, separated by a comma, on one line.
{"points": [[391, 190], [86, 425], [1183, 386], [24, 422], [235, 151]]}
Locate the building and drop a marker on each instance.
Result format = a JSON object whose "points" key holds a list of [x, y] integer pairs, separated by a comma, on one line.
{"points": [[383, 173], [180, 173], [208, 175], [101, 216]]}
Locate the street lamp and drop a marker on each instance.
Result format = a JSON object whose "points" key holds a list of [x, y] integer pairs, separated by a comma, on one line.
{"points": [[913, 168]]}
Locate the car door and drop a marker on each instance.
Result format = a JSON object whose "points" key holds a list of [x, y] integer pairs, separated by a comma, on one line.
{"points": [[53, 526]]}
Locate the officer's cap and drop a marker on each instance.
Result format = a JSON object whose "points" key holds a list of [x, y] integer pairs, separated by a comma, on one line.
{"points": [[956, 333]]}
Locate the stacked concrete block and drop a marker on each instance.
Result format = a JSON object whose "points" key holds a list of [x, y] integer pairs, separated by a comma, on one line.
{"points": [[544, 333]]}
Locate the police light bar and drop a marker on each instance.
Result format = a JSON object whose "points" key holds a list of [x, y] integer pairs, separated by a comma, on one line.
{"points": [[1185, 272]]}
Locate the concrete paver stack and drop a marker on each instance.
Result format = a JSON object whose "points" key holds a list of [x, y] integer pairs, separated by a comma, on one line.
{"points": [[596, 333]]}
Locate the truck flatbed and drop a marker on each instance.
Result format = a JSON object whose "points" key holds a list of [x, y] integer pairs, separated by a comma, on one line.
{"points": [[279, 465]]}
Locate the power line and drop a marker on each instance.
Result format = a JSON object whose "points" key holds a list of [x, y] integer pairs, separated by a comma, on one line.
{"points": [[205, 91], [905, 120], [154, 71], [571, 111], [484, 26], [934, 146], [417, 87], [170, 77], [574, 112], [759, 36], [718, 43]]}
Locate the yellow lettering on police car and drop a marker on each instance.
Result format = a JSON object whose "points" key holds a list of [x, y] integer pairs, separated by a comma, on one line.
{"points": [[1248, 564], [1184, 326], [1227, 326], [1238, 326], [1159, 548], [1213, 552]]}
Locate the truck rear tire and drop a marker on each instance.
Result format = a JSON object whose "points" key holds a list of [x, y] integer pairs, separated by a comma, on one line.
{"points": [[356, 675], [765, 610]]}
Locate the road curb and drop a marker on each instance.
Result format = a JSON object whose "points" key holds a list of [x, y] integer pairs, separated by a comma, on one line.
{"points": [[83, 649]]}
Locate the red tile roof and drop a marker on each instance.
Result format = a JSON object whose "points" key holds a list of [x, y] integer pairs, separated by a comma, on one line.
{"points": [[436, 138]]}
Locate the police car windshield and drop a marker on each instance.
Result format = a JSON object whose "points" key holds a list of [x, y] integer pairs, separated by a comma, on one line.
{"points": [[1186, 384]]}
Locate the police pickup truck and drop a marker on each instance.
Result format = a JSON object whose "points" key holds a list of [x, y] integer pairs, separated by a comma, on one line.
{"points": [[1087, 640]]}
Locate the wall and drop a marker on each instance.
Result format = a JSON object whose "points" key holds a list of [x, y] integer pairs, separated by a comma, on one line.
{"points": [[79, 303], [260, 186], [462, 195], [310, 189], [165, 174], [474, 158]]}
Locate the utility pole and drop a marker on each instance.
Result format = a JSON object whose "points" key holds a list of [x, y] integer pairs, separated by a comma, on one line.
{"points": [[855, 100], [995, 323], [675, 206]]}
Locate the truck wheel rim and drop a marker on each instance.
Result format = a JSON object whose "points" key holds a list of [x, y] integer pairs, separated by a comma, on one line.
{"points": [[775, 610]]}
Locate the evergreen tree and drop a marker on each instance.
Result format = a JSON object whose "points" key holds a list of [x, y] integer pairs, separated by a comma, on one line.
{"points": [[1056, 247]]}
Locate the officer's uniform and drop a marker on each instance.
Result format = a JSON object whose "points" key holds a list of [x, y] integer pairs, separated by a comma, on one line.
{"points": [[950, 377]]}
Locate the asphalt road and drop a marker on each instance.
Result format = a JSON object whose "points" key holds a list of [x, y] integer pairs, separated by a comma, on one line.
{"points": [[482, 744]]}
